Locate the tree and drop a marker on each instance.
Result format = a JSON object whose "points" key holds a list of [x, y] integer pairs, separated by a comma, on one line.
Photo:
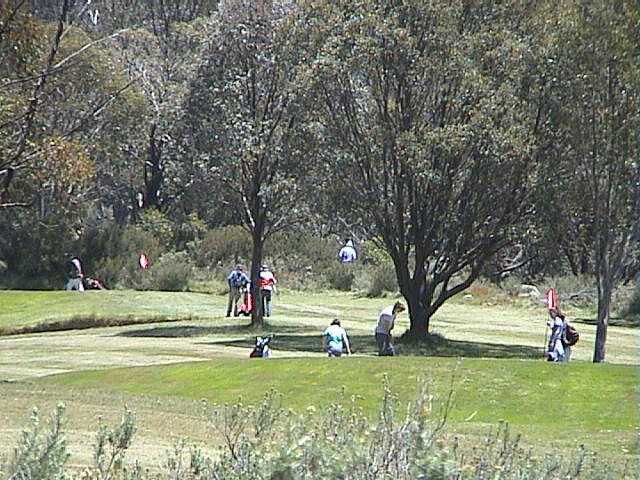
{"points": [[31, 81], [161, 56], [431, 136], [247, 123], [62, 143], [593, 169]]}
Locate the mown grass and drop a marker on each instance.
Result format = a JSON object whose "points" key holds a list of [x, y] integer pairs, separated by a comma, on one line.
{"points": [[500, 378], [477, 330], [31, 311], [567, 404]]}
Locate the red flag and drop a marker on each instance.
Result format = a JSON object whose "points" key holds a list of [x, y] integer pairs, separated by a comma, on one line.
{"points": [[144, 261], [552, 299]]}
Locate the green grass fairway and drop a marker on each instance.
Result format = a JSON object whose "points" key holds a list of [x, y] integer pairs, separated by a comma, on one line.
{"points": [[500, 376], [565, 404], [22, 311], [477, 329]]}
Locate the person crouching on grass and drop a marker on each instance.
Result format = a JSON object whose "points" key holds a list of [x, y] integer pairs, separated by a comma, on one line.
{"points": [[335, 339], [386, 322]]}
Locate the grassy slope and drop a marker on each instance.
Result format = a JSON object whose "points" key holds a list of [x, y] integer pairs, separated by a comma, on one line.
{"points": [[29, 308], [477, 329], [571, 404]]}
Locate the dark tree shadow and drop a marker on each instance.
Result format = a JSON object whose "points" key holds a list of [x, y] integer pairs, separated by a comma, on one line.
{"points": [[629, 322], [186, 331], [365, 344]]}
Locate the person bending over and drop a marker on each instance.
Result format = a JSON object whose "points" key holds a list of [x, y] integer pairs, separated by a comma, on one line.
{"points": [[336, 339], [386, 322]]}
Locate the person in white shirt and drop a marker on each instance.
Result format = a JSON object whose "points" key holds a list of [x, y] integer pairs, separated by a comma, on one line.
{"points": [[558, 350], [267, 283], [75, 275], [348, 254], [386, 322], [335, 339]]}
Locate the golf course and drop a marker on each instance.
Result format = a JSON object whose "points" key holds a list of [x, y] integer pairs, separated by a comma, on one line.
{"points": [[171, 357]]}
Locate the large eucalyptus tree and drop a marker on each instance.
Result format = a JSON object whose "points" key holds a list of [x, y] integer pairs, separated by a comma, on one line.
{"points": [[432, 139], [246, 122]]}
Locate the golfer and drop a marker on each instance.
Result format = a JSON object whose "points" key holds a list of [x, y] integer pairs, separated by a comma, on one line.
{"points": [[336, 339], [386, 322]]}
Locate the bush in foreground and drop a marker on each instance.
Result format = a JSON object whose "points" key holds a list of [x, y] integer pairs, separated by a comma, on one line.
{"points": [[267, 442]]}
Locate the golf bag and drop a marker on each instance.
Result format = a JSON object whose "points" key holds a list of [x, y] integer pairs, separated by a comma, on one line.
{"points": [[261, 349], [246, 307]]}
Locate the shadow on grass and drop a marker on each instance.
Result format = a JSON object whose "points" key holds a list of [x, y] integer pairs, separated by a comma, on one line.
{"points": [[628, 322], [86, 322], [365, 344], [185, 331]]}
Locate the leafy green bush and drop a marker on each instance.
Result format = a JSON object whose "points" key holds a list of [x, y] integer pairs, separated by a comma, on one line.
{"points": [[295, 252], [157, 224], [383, 279], [372, 253], [120, 267], [209, 280], [633, 307], [376, 280], [226, 245], [340, 276], [170, 273], [574, 290]]}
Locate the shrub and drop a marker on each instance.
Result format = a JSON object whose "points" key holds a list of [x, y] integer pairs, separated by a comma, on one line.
{"points": [[340, 276], [404, 441], [41, 456], [170, 273], [120, 266], [372, 253], [574, 290], [376, 280], [226, 245], [633, 307], [205, 280], [188, 230], [158, 225], [295, 252], [383, 279]]}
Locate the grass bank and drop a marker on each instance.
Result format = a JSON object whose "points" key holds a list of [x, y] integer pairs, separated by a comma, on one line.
{"points": [[42, 311], [568, 405]]}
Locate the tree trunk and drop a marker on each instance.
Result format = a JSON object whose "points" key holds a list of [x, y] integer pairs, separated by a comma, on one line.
{"points": [[605, 289], [257, 315], [418, 319], [153, 170], [414, 294]]}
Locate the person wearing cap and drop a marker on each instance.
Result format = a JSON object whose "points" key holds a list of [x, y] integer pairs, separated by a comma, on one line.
{"points": [[336, 339], [237, 280], [267, 283], [386, 322]]}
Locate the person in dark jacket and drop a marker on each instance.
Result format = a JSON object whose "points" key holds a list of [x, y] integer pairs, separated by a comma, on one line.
{"points": [[237, 280]]}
